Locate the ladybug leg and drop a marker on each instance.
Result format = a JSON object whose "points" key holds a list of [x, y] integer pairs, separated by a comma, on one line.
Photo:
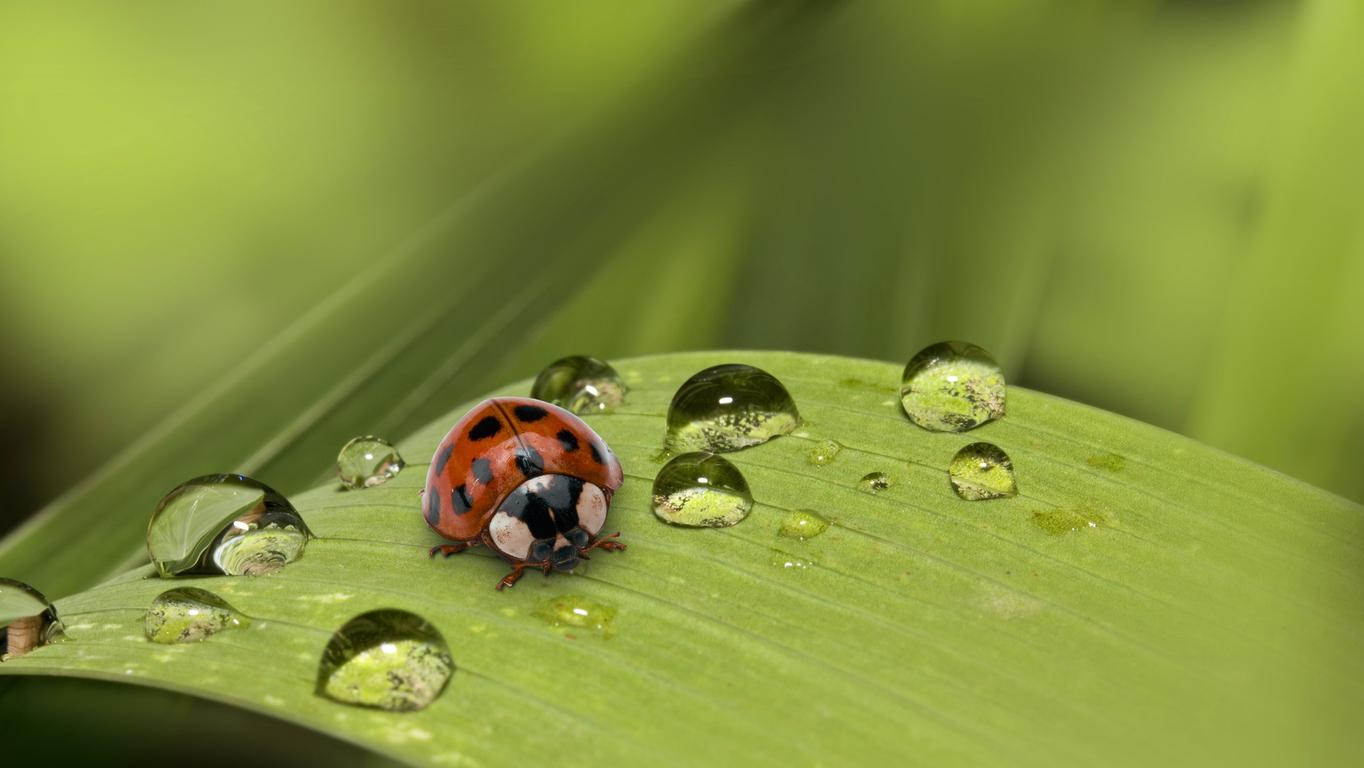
{"points": [[451, 549], [607, 543], [511, 578]]}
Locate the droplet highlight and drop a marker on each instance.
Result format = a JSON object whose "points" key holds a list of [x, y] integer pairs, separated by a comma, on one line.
{"points": [[229, 524], [982, 471], [188, 615], [583, 385], [952, 386], [728, 408], [578, 613], [386, 659], [803, 524], [824, 453], [701, 490], [365, 462], [874, 482], [27, 619]]}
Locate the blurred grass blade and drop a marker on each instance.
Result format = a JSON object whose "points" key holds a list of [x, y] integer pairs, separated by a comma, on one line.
{"points": [[1143, 599]]}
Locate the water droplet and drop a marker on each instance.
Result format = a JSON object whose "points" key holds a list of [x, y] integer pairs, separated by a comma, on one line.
{"points": [[224, 524], [803, 524], [824, 453], [1062, 521], [982, 471], [701, 490], [188, 615], [952, 386], [368, 461], [1110, 461], [580, 384], [27, 619], [729, 407], [387, 659], [875, 482], [578, 612], [789, 562]]}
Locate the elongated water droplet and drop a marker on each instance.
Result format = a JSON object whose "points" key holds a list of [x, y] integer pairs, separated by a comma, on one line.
{"points": [[27, 619], [701, 490], [1113, 462], [224, 524], [952, 386], [581, 384], [803, 524], [1058, 522], [824, 453], [875, 482], [368, 461], [386, 659], [789, 562], [188, 615], [729, 407], [982, 471], [572, 612]]}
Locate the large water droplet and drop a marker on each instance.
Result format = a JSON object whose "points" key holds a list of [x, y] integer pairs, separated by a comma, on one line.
{"points": [[577, 612], [824, 453], [729, 407], [27, 619], [982, 471], [224, 524], [803, 524], [581, 384], [701, 490], [874, 482], [188, 615], [952, 386], [368, 461], [387, 659]]}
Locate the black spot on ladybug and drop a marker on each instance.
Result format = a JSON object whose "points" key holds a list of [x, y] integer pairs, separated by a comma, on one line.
{"points": [[483, 470], [566, 510], [529, 461], [596, 454], [568, 440], [443, 457], [485, 428], [460, 499], [433, 509], [529, 413], [532, 509]]}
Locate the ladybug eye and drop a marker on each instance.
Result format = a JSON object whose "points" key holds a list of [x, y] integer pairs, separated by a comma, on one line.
{"points": [[578, 536], [541, 550]]}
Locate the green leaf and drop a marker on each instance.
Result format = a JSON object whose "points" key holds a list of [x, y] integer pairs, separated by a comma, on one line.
{"points": [[1143, 598]]}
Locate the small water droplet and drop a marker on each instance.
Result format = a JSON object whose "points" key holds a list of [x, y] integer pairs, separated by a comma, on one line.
{"points": [[27, 619], [188, 615], [368, 461], [224, 524], [581, 384], [824, 453], [1112, 462], [729, 407], [701, 490], [952, 386], [982, 471], [386, 659], [803, 524], [578, 612], [1058, 522], [875, 482], [789, 562]]}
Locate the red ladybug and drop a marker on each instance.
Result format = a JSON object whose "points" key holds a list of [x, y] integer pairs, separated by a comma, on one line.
{"points": [[529, 479]]}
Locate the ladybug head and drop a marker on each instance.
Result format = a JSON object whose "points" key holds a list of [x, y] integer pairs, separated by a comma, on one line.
{"points": [[548, 520]]}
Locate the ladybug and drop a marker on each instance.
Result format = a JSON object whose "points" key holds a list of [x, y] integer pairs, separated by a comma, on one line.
{"points": [[526, 478]]}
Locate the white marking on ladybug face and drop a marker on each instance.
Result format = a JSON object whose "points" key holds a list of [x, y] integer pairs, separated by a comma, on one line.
{"points": [[511, 536], [591, 509]]}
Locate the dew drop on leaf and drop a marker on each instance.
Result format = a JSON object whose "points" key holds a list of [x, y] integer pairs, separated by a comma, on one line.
{"points": [[387, 659], [27, 619], [982, 471], [728, 408], [188, 615], [952, 386], [874, 482], [803, 524], [228, 524], [701, 490], [583, 385], [368, 461], [571, 612], [824, 453]]}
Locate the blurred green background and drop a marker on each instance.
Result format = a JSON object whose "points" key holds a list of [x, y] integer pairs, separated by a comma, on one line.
{"points": [[1153, 207]]}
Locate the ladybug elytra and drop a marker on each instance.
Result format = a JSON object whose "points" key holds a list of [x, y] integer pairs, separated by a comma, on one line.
{"points": [[529, 480]]}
